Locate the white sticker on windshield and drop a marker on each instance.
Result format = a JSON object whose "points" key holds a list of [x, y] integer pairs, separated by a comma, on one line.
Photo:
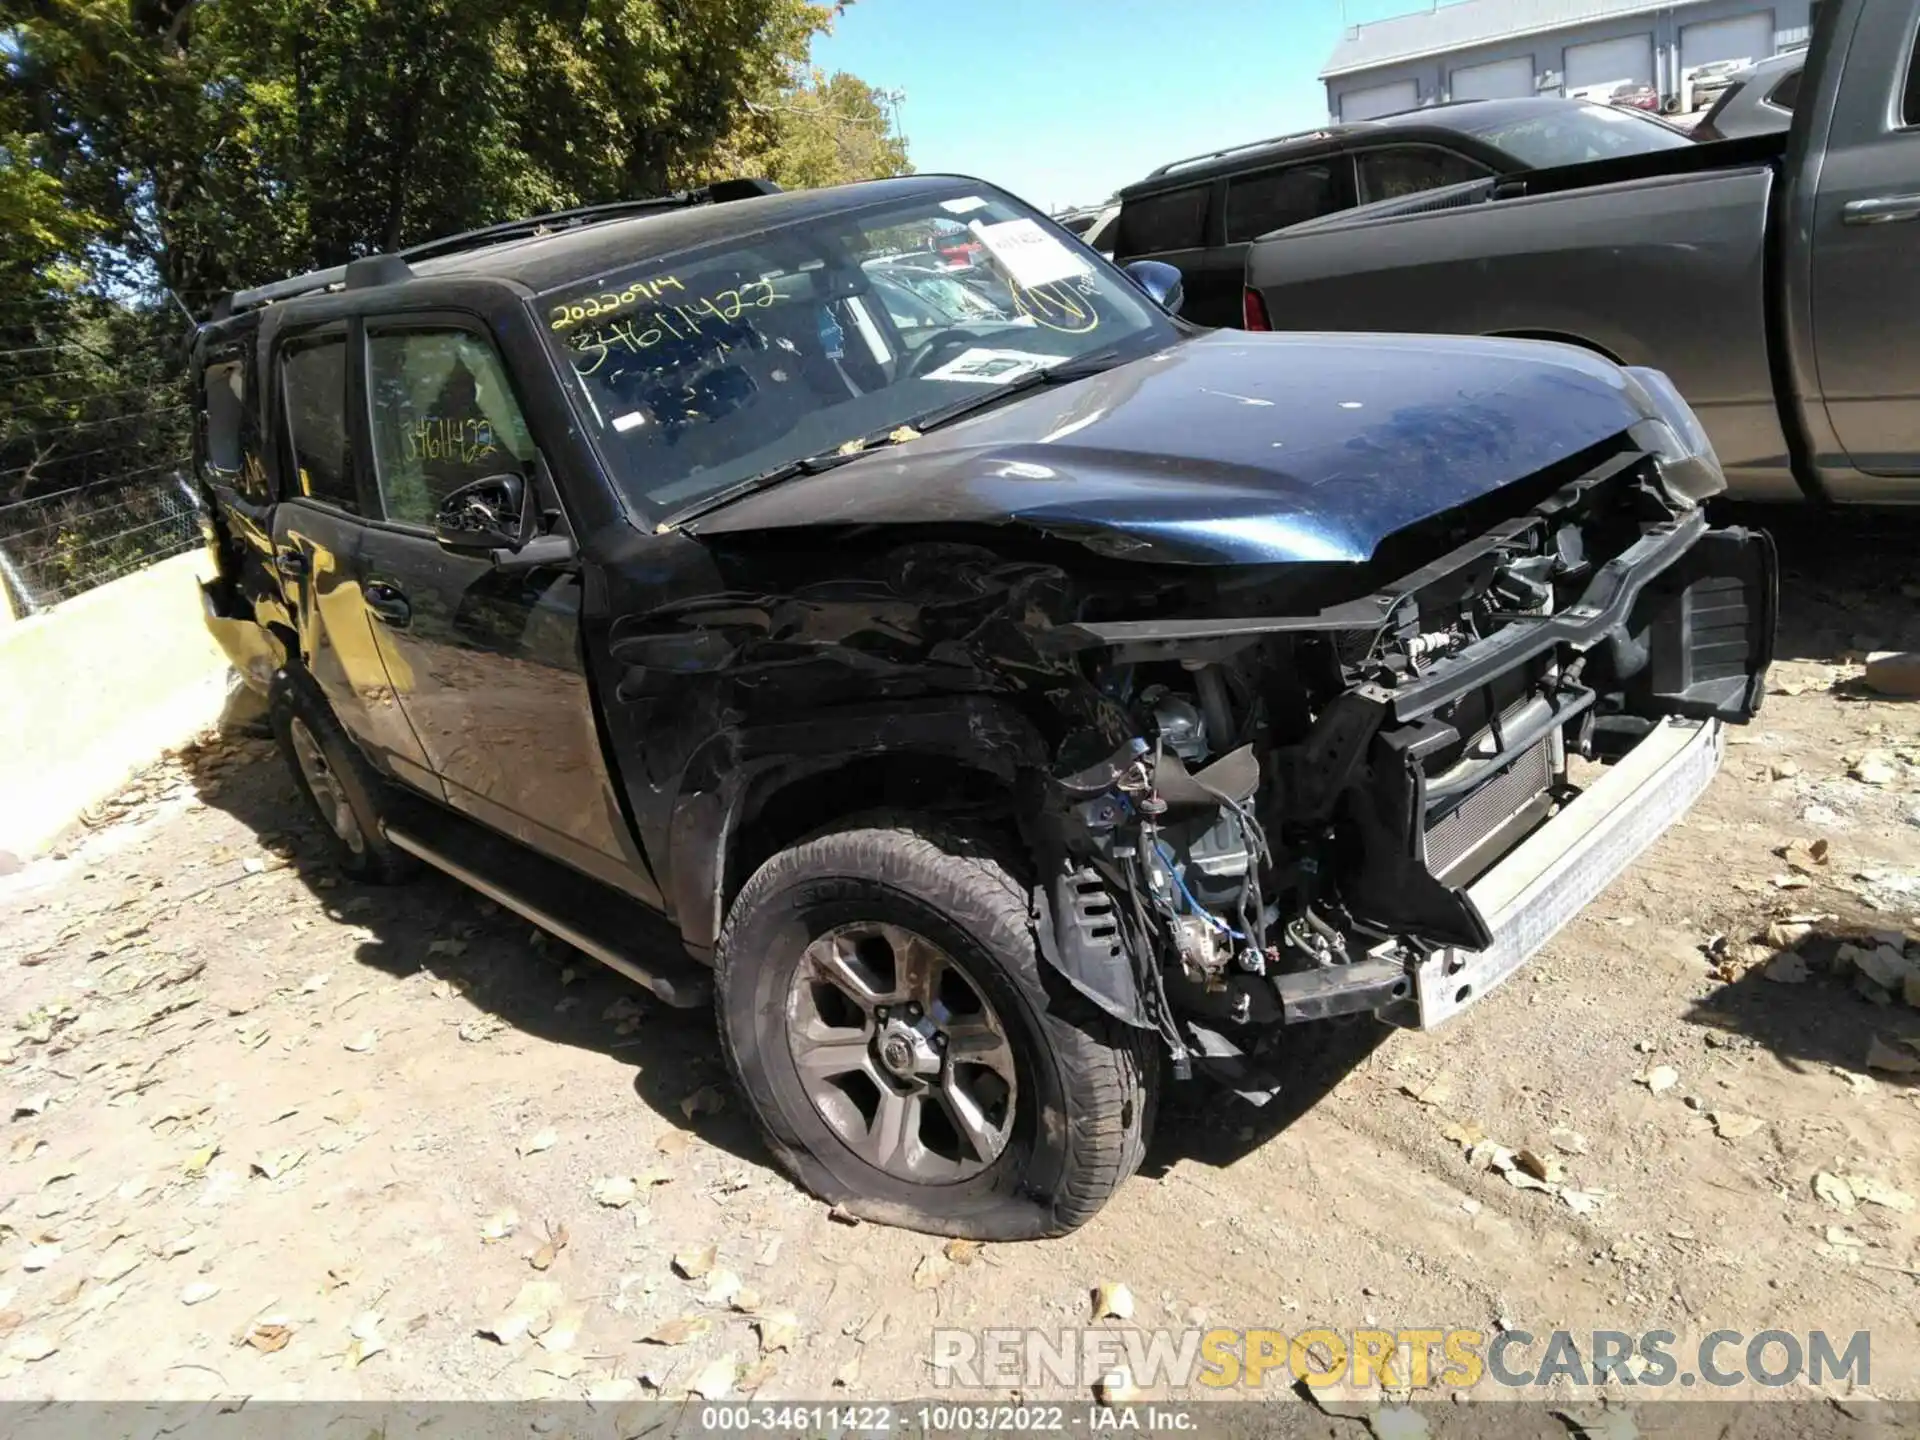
{"points": [[632, 420], [989, 367], [965, 205], [1031, 256]]}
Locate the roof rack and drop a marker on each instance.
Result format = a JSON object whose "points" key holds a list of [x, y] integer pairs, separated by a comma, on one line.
{"points": [[387, 269], [1324, 132]]}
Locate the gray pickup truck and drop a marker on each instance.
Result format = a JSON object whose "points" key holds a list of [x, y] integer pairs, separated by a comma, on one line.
{"points": [[1775, 279]]}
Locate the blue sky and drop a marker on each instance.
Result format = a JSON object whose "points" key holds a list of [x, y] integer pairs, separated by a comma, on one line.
{"points": [[1062, 101]]}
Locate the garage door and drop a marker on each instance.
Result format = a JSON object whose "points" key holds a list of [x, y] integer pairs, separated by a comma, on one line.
{"points": [[1379, 100], [1596, 69], [1500, 80], [1743, 39]]}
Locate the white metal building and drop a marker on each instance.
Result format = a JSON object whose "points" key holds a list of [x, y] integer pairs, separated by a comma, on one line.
{"points": [[1493, 49]]}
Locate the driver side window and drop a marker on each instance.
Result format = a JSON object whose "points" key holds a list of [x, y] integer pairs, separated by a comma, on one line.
{"points": [[443, 415]]}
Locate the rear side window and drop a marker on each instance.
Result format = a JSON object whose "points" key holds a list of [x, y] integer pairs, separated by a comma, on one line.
{"points": [[1173, 221], [1910, 107], [1787, 93], [1409, 169], [313, 385], [443, 416], [232, 436], [1277, 198]]}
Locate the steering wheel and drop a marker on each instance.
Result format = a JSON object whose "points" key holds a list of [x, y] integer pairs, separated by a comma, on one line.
{"points": [[946, 346]]}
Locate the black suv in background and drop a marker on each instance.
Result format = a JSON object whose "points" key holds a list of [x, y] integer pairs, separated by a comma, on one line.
{"points": [[999, 696], [1200, 214]]}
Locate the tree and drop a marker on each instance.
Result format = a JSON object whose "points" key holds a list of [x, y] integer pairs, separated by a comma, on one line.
{"points": [[831, 130]]}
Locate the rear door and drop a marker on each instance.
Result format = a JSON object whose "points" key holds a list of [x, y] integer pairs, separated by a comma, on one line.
{"points": [[486, 660], [1866, 247], [317, 529]]}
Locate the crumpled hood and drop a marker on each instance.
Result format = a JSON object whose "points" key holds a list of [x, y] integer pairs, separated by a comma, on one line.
{"points": [[1235, 448]]}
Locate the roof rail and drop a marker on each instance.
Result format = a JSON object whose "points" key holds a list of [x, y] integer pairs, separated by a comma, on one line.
{"points": [[1322, 133], [388, 268]]}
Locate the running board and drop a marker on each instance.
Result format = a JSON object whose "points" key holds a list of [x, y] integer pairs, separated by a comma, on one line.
{"points": [[678, 983]]}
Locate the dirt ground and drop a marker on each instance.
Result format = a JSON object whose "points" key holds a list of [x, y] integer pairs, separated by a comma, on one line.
{"points": [[278, 1135]]}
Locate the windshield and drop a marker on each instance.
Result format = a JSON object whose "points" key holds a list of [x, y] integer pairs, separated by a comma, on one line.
{"points": [[1574, 134], [702, 370]]}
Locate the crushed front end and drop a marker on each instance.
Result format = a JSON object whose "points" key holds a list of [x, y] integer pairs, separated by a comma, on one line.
{"points": [[1386, 804]]}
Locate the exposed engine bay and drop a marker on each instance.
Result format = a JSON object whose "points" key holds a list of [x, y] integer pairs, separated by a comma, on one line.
{"points": [[1294, 823]]}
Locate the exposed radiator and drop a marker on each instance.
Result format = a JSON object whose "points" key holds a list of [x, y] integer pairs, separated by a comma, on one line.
{"points": [[1460, 831]]}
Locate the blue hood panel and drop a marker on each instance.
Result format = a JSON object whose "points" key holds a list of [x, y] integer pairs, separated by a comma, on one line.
{"points": [[1235, 448]]}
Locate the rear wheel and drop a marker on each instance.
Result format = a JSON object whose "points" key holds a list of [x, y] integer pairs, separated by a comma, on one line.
{"points": [[345, 791], [882, 1006]]}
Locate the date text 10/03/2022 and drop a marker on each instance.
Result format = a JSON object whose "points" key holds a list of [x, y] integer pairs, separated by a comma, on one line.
{"points": [[1091, 1419]]}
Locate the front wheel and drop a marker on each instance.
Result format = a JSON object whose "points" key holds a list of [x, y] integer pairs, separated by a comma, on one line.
{"points": [[882, 1006]]}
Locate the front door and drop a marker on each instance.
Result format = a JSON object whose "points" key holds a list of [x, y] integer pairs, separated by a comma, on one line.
{"points": [[487, 662], [1866, 252]]}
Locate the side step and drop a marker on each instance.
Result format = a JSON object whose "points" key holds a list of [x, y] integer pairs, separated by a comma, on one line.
{"points": [[601, 922]]}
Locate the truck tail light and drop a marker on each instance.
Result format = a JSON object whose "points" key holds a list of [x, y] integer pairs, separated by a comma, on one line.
{"points": [[1253, 310]]}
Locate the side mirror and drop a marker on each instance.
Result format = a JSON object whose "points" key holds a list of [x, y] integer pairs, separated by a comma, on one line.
{"points": [[484, 515], [1162, 282]]}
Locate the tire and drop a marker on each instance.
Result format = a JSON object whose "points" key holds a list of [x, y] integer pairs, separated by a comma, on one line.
{"points": [[322, 758], [1076, 1124]]}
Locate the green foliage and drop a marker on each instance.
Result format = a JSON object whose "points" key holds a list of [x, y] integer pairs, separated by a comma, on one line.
{"points": [[199, 146]]}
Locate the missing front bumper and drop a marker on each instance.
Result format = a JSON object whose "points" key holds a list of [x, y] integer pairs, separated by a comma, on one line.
{"points": [[1546, 880]]}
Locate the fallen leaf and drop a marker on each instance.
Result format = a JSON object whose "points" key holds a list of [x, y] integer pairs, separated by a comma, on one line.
{"points": [[777, 1332], [39, 1257], [546, 1254], [615, 1191], [31, 1348], [674, 1142], [1660, 1078], [481, 1027], [845, 1376], [1541, 1167], [538, 1141], [722, 1286], [1786, 968], [1873, 768], [32, 1105], [25, 1148], [364, 1339], [840, 1215], [269, 1336], [1521, 1180], [531, 1309], [313, 983], [1582, 1202], [176, 1247], [1116, 1387], [716, 1379], [363, 1042], [1882, 1056], [1840, 1235], [1732, 1125], [198, 1161], [1835, 1191], [565, 1329], [932, 1271], [692, 1264], [199, 1290], [707, 1100], [746, 1300], [499, 1225], [1567, 1142], [275, 1163], [1464, 1133], [1872, 1191], [1790, 882], [1804, 856], [1112, 1300], [678, 1331], [964, 1252], [1437, 1091], [117, 1264]]}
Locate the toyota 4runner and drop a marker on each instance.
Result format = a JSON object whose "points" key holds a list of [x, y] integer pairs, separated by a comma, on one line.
{"points": [[1010, 693]]}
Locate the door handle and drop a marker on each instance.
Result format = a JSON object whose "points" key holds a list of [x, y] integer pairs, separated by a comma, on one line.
{"points": [[388, 603], [1881, 210], [290, 564]]}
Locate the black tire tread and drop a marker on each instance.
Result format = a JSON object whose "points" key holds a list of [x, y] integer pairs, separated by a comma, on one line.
{"points": [[382, 862], [1109, 1069]]}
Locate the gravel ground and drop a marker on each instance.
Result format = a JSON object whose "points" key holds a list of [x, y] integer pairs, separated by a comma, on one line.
{"points": [[278, 1135]]}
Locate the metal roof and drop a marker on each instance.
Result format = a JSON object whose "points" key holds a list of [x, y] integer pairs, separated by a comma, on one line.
{"points": [[1447, 28]]}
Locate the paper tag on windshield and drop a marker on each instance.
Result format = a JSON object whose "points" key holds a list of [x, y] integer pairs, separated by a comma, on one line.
{"points": [[1032, 256], [989, 367], [965, 205]]}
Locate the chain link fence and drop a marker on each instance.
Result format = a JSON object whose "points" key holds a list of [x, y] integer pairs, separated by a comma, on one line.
{"points": [[53, 547]]}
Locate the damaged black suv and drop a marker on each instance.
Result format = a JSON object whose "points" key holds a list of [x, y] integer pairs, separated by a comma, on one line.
{"points": [[1010, 693]]}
